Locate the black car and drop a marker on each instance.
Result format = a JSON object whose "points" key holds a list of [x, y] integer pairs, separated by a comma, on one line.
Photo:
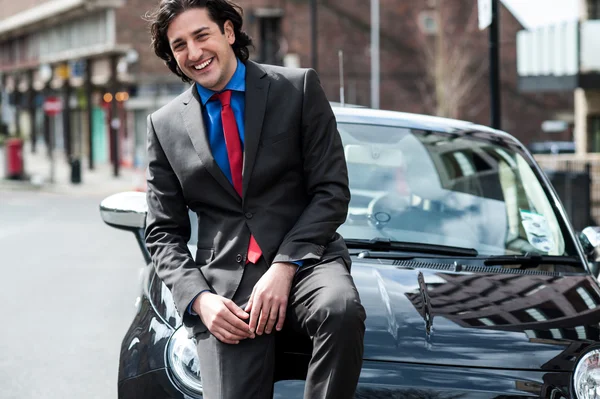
{"points": [[474, 283]]}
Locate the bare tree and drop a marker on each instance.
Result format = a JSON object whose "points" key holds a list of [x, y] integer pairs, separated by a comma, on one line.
{"points": [[453, 64]]}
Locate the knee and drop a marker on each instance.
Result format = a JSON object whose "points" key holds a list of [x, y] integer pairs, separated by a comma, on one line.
{"points": [[340, 310]]}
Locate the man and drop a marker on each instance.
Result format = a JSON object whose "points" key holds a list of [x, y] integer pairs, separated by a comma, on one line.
{"points": [[254, 151]]}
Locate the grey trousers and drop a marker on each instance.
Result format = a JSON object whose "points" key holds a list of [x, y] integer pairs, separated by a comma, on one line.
{"points": [[324, 306]]}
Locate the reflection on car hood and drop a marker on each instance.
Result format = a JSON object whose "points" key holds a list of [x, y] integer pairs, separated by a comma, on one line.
{"points": [[477, 320]]}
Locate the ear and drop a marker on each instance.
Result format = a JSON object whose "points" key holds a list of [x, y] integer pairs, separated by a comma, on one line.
{"points": [[229, 32]]}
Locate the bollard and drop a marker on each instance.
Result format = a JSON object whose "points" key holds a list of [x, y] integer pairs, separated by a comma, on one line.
{"points": [[75, 171]]}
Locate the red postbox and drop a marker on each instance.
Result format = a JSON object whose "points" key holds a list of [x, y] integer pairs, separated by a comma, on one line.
{"points": [[14, 158]]}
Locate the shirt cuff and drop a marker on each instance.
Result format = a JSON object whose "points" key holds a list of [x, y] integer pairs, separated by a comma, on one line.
{"points": [[189, 308]]}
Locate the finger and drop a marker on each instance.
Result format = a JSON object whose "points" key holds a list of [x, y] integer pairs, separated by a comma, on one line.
{"points": [[236, 310], [254, 314], [222, 338], [282, 312], [230, 336], [233, 332], [249, 304], [264, 317], [272, 319], [232, 323]]}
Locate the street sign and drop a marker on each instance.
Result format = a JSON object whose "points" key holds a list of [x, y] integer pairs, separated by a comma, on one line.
{"points": [[62, 71], [52, 106], [554, 126], [484, 8], [76, 69]]}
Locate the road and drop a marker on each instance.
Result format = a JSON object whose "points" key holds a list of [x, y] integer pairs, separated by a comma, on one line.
{"points": [[69, 283]]}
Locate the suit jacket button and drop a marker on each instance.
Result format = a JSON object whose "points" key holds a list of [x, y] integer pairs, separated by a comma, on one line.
{"points": [[248, 215], [238, 258]]}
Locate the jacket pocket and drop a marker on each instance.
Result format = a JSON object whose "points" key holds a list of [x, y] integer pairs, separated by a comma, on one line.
{"points": [[275, 138], [204, 256]]}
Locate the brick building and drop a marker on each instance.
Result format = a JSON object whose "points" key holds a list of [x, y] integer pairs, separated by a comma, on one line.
{"points": [[567, 62], [563, 59], [433, 60]]}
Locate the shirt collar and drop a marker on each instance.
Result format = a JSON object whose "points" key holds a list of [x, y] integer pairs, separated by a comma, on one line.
{"points": [[237, 83]]}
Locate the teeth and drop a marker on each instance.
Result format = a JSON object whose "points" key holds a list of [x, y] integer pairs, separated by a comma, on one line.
{"points": [[203, 65]]}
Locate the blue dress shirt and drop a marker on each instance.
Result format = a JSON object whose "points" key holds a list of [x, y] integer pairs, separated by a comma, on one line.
{"points": [[211, 111]]}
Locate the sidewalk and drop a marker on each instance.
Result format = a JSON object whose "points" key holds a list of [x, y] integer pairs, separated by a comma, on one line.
{"points": [[100, 181]]}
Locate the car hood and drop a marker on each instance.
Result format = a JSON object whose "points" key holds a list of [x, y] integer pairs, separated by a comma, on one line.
{"points": [[516, 321]]}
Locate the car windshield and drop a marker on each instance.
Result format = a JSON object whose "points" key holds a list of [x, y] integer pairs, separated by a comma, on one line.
{"points": [[447, 189]]}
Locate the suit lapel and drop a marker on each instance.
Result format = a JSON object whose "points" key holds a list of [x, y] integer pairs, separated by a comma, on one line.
{"points": [[194, 125], [257, 89]]}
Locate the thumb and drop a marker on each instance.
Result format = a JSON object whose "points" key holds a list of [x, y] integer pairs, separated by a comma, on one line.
{"points": [[236, 310]]}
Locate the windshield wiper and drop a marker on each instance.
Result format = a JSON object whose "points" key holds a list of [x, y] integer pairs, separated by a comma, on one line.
{"points": [[534, 260], [385, 244]]}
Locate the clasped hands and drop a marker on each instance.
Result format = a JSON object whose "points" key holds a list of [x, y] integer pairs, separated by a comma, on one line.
{"points": [[266, 307]]}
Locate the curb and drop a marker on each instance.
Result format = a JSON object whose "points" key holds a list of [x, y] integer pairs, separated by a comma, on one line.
{"points": [[25, 185], [64, 188]]}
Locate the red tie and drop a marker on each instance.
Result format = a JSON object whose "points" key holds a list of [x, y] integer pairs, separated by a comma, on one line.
{"points": [[235, 155]]}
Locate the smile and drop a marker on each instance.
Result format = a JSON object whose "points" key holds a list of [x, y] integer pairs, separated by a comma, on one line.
{"points": [[203, 65]]}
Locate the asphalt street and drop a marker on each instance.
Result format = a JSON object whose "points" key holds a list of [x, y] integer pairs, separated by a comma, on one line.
{"points": [[69, 284]]}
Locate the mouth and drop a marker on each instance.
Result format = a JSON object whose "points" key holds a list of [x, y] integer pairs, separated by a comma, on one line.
{"points": [[203, 65]]}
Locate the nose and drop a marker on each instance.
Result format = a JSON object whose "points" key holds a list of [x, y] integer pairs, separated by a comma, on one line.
{"points": [[194, 52]]}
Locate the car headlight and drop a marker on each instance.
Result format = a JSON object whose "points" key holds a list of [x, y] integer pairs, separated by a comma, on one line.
{"points": [[586, 379], [182, 358]]}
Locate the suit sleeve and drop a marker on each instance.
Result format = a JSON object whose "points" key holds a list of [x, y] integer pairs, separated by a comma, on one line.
{"points": [[168, 230], [325, 175]]}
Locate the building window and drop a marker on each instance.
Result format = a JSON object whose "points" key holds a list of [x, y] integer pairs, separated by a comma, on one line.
{"points": [[536, 314], [464, 164], [269, 31], [589, 301], [556, 334], [428, 22], [594, 133], [487, 322], [593, 9], [531, 333]]}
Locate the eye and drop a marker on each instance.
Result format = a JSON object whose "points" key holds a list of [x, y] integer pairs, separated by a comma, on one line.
{"points": [[201, 36], [179, 46]]}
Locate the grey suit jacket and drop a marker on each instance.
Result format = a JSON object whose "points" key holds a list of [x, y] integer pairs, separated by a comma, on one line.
{"points": [[295, 185]]}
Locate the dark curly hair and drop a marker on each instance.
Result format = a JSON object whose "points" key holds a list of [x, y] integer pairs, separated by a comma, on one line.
{"points": [[219, 11]]}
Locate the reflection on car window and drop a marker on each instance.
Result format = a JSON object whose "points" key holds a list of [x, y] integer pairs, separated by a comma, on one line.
{"points": [[445, 189]]}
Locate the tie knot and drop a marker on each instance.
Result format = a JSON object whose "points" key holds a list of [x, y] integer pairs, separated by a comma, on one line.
{"points": [[224, 97]]}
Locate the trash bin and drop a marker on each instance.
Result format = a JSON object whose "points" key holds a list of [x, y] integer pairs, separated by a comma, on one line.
{"points": [[75, 171], [14, 158]]}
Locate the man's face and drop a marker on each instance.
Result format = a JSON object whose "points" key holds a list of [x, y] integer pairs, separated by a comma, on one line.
{"points": [[203, 53]]}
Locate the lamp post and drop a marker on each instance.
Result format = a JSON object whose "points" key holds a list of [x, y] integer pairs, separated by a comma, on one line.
{"points": [[313, 35], [495, 68], [115, 122], [45, 75], [375, 78]]}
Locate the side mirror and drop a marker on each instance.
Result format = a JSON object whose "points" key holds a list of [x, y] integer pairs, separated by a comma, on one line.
{"points": [[127, 211], [590, 240]]}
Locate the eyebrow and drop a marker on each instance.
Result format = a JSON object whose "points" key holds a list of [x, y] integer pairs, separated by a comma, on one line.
{"points": [[194, 33]]}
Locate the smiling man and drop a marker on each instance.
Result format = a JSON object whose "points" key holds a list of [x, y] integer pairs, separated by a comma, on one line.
{"points": [[254, 151]]}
